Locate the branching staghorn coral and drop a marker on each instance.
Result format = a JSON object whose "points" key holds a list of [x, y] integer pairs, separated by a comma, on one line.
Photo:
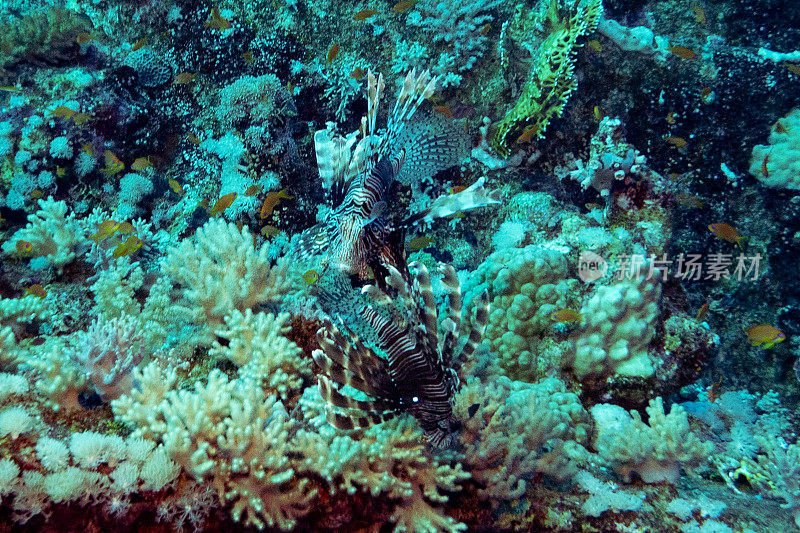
{"points": [[551, 78]]}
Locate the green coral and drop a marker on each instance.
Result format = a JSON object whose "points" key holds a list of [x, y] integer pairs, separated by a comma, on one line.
{"points": [[551, 80]]}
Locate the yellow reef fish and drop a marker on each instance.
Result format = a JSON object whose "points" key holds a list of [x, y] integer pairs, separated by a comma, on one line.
{"points": [[87, 148], [682, 52], [217, 21], [104, 230], [129, 247], [141, 163], [595, 45], [36, 290], [702, 312], [444, 110], [269, 231], [271, 201], [364, 14], [677, 142], [402, 6], [23, 248], [564, 316], [61, 172], [794, 68], [455, 189], [357, 73], [83, 38], [764, 335], [311, 277], [418, 243], [184, 77], [175, 186], [591, 206], [113, 164], [125, 228], [485, 29], [138, 44], [332, 53], [527, 134], [36, 194], [252, 190], [193, 138], [699, 14], [780, 128], [689, 200], [222, 204], [726, 232]]}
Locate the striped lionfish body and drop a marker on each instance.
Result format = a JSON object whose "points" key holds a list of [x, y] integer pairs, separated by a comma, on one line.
{"points": [[414, 371], [358, 174]]}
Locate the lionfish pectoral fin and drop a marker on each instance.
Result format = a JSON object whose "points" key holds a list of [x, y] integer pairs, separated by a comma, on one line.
{"points": [[473, 196], [313, 241]]}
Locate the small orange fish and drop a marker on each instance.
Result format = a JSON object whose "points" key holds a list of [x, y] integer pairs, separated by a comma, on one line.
{"points": [[36, 290], [184, 77], [252, 190], [248, 57], [333, 52], [269, 231], [764, 335], [357, 73], [218, 22], [193, 138], [485, 29], [444, 110], [175, 186], [104, 230], [764, 168], [364, 14], [780, 128], [705, 92], [677, 142], [402, 6], [222, 204], [84, 38], [794, 68], [702, 312], [591, 206], [37, 193], [527, 134], [418, 243], [712, 393], [113, 164], [699, 14], [564, 316], [271, 201], [141, 163], [127, 248], [682, 52], [726, 232], [138, 44], [23, 248], [455, 189], [61, 172], [125, 228]]}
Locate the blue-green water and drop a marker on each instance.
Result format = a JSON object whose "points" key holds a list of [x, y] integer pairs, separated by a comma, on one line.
{"points": [[414, 266]]}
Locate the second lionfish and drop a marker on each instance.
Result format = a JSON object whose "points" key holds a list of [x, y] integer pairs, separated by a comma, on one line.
{"points": [[414, 371]]}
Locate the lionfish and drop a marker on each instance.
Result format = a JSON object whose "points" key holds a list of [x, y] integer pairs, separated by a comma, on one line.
{"points": [[415, 372], [357, 232]]}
